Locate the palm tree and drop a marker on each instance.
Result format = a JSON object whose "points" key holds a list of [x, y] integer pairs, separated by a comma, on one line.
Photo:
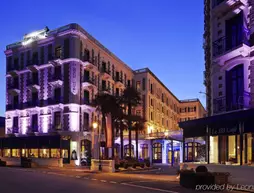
{"points": [[106, 104], [130, 98], [137, 125]]}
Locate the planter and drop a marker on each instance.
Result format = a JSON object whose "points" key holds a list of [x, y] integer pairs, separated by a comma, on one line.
{"points": [[188, 179], [220, 178], [2, 163]]}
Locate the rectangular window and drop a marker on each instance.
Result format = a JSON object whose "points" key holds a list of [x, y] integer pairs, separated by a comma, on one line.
{"points": [[151, 116], [35, 123], [34, 153], [138, 84], [67, 48], [15, 124], [55, 153], [22, 61], [9, 64], [86, 122], [50, 52], [44, 153], [57, 120], [28, 59], [58, 52], [138, 112], [42, 55], [35, 58], [15, 153], [7, 153], [144, 84], [16, 63]]}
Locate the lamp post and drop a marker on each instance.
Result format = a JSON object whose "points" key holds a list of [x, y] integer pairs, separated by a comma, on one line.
{"points": [[95, 125]]}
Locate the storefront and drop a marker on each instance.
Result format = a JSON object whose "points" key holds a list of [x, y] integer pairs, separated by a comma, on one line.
{"points": [[229, 137], [36, 147]]}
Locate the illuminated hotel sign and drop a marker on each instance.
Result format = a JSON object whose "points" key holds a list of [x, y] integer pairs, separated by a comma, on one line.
{"points": [[37, 35]]}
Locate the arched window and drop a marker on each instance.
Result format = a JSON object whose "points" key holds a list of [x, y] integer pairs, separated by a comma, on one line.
{"points": [[144, 151], [157, 152]]}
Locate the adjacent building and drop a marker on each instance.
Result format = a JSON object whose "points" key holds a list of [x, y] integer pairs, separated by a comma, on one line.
{"points": [[51, 78], [161, 140], [228, 77]]}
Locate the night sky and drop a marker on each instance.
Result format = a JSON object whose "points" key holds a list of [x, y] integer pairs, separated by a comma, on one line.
{"points": [[163, 35]]}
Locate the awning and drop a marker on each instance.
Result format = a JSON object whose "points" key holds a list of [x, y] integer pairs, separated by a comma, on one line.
{"points": [[229, 121], [36, 142]]}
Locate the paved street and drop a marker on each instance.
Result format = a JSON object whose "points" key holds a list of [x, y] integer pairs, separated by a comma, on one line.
{"points": [[16, 180]]}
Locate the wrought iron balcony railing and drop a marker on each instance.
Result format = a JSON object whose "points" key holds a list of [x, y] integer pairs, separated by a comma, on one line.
{"points": [[221, 104], [227, 43]]}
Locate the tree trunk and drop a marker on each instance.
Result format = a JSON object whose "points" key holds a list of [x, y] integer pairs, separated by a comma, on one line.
{"points": [[113, 138], [121, 138], [129, 128], [136, 136], [104, 128], [129, 142]]}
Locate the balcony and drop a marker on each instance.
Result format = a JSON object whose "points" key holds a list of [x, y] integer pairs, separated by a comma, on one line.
{"points": [[227, 5], [55, 101], [56, 80], [227, 48], [88, 62], [119, 82], [88, 82], [13, 70], [14, 106], [32, 65], [220, 105], [105, 73], [33, 85], [13, 89], [85, 101], [105, 90]]}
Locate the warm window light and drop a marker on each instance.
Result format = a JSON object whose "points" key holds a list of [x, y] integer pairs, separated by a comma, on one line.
{"points": [[166, 133], [95, 125], [149, 129]]}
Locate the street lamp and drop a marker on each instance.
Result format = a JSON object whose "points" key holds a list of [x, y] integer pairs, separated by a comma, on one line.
{"points": [[95, 125]]}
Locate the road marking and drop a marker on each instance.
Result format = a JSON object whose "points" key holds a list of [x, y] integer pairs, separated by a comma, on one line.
{"points": [[112, 182], [78, 177], [93, 179], [103, 180], [71, 176], [149, 188], [86, 178]]}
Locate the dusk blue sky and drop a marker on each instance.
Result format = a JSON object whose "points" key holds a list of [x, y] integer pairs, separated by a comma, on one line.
{"points": [[163, 35]]}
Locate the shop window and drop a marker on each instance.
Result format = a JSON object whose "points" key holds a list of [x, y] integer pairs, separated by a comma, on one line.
{"points": [[7, 153], [15, 153], [65, 153], [34, 153], [214, 154], [44, 153], [157, 151], [55, 153], [24, 152], [249, 148], [231, 148]]}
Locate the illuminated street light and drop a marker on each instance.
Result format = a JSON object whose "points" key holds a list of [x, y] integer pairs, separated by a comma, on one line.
{"points": [[95, 125]]}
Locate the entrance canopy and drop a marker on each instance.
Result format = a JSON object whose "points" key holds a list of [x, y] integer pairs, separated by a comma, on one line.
{"points": [[224, 124]]}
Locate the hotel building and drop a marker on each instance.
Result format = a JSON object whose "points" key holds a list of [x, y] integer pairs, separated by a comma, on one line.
{"points": [[51, 78], [229, 81]]}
